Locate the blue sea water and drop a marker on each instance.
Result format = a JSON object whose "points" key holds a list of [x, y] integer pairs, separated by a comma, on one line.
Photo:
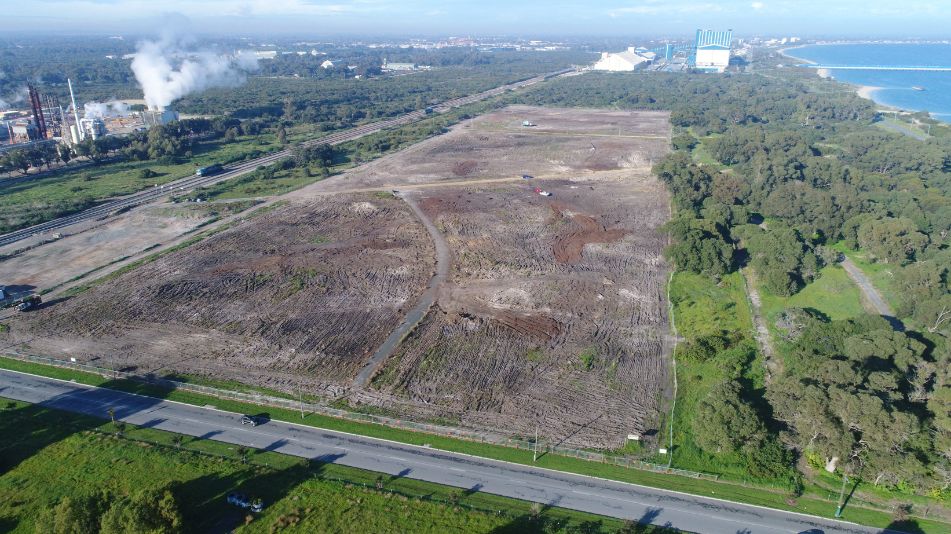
{"points": [[896, 85]]}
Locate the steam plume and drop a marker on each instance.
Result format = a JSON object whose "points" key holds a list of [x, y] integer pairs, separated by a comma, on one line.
{"points": [[102, 110], [18, 96], [166, 70]]}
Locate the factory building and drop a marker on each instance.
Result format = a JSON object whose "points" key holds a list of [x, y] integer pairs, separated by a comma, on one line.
{"points": [[391, 67], [628, 60], [92, 128], [158, 117], [713, 50]]}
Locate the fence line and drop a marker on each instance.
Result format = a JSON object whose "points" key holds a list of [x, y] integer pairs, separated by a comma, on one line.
{"points": [[392, 422]]}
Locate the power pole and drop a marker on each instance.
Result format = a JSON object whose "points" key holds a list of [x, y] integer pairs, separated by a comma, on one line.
{"points": [[535, 454], [300, 393], [838, 509]]}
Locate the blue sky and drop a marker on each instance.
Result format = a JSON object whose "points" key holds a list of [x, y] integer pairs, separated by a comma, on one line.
{"points": [[891, 18]]}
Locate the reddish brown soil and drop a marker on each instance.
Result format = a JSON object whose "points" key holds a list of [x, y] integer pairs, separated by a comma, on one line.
{"points": [[585, 229]]}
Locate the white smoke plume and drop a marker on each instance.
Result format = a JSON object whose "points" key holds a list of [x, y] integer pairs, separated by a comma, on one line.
{"points": [[19, 96], [167, 70], [103, 110]]}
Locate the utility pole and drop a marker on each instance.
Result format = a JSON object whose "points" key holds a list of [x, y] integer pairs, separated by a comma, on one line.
{"points": [[838, 509], [300, 393], [535, 455]]}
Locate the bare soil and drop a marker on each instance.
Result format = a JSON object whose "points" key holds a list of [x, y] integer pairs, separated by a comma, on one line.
{"points": [[552, 313], [298, 295]]}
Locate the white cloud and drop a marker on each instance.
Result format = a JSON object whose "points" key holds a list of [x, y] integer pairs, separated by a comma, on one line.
{"points": [[757, 5]]}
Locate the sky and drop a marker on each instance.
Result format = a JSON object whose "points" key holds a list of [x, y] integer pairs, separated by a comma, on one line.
{"points": [[806, 18]]}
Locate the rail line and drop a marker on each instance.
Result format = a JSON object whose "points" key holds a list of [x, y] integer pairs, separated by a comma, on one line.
{"points": [[110, 207]]}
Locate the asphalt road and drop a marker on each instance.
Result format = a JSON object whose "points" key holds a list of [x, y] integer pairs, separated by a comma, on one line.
{"points": [[687, 512]]}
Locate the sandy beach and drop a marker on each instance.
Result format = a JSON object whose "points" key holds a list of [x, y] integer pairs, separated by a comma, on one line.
{"points": [[867, 91]]}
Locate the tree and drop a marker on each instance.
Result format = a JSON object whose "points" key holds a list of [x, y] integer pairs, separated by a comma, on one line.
{"points": [[72, 515], [698, 247], [65, 153], [724, 422], [892, 240], [149, 511], [282, 135]]}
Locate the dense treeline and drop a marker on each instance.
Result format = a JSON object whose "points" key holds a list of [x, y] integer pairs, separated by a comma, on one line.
{"points": [[792, 174], [342, 102]]}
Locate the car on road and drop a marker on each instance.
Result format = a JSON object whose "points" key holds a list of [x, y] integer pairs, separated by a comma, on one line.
{"points": [[254, 420]]}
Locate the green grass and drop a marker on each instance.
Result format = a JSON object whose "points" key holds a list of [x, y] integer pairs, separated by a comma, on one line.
{"points": [[881, 274], [69, 189], [701, 308], [57, 454], [817, 503], [833, 293]]}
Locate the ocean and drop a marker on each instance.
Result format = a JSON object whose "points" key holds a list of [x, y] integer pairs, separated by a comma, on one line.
{"points": [[896, 87]]}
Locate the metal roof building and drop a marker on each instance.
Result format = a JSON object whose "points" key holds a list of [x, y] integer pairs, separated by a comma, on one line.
{"points": [[713, 50]]}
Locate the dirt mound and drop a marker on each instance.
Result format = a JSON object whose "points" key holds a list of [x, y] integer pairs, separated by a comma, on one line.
{"points": [[584, 229]]}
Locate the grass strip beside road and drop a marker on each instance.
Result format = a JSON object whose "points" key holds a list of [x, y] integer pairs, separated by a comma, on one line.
{"points": [[53, 454], [810, 504]]}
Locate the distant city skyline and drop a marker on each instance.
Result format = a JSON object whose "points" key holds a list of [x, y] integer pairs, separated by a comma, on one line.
{"points": [[805, 18]]}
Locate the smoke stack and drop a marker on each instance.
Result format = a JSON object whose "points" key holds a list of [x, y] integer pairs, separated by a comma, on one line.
{"points": [[75, 111], [37, 106]]}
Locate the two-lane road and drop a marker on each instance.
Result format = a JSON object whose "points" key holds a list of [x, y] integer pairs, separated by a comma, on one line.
{"points": [[628, 501]]}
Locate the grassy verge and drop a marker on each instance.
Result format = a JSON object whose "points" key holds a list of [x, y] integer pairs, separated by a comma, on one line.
{"points": [[703, 307], [57, 454], [68, 190], [816, 504]]}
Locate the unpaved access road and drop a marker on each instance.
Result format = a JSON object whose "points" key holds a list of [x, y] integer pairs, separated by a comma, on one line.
{"points": [[422, 306], [868, 290]]}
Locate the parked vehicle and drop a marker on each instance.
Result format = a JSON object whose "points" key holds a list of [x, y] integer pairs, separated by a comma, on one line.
{"points": [[29, 303]]}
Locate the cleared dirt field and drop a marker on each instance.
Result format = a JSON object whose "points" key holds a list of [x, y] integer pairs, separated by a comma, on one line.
{"points": [[54, 263], [299, 294], [551, 311], [554, 313], [563, 143]]}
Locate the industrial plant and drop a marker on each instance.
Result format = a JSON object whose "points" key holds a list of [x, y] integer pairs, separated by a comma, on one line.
{"points": [[711, 51], [47, 120]]}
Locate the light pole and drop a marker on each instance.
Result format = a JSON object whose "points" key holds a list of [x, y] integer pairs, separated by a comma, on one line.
{"points": [[838, 509]]}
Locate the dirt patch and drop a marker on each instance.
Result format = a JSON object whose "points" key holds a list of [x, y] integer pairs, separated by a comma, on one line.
{"points": [[549, 318], [552, 312], [584, 229], [301, 294], [464, 168]]}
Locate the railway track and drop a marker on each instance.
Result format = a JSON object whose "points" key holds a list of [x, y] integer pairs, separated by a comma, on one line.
{"points": [[111, 207]]}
